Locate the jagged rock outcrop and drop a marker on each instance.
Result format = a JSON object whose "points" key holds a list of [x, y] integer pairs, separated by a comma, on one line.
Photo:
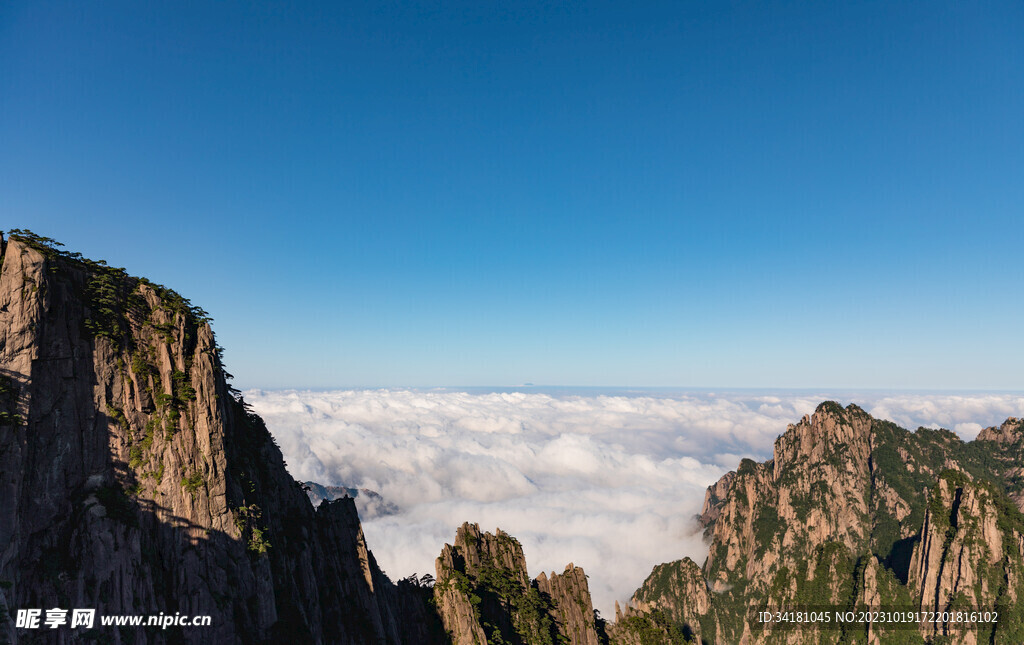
{"points": [[483, 594], [672, 606], [133, 480], [1005, 444], [814, 491], [714, 500], [679, 591], [570, 604], [369, 503], [855, 512], [970, 557]]}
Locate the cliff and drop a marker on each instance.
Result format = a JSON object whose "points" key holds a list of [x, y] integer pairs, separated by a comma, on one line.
{"points": [[369, 503], [133, 480], [484, 595], [678, 592], [1005, 445], [855, 512], [971, 555]]}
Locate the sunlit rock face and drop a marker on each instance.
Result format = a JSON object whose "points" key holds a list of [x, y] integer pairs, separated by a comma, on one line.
{"points": [[854, 511], [484, 594]]}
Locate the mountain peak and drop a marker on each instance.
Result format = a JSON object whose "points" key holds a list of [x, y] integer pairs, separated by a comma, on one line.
{"points": [[856, 510], [1009, 431], [818, 437], [483, 594], [137, 481]]}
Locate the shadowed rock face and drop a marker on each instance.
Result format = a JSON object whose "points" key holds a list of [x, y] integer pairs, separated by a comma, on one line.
{"points": [[855, 511], [368, 502], [133, 480]]}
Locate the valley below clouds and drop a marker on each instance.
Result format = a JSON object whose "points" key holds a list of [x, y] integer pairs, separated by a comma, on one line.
{"points": [[610, 481]]}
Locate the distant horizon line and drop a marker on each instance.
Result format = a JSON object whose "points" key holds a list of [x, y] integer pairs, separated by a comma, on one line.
{"points": [[675, 388]]}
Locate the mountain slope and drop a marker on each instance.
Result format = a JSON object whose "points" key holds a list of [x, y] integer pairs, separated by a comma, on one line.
{"points": [[135, 481], [484, 595], [856, 512]]}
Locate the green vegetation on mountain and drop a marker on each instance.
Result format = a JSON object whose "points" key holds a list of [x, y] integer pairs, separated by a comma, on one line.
{"points": [[9, 402], [855, 513], [483, 595], [136, 478], [650, 628]]}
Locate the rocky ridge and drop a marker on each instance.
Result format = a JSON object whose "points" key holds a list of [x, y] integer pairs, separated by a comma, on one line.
{"points": [[674, 593], [856, 512], [135, 481], [484, 595]]}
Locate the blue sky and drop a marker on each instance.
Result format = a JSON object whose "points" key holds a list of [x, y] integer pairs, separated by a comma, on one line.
{"points": [[799, 194]]}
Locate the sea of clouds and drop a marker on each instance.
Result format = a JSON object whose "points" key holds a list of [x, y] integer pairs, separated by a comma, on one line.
{"points": [[609, 481]]}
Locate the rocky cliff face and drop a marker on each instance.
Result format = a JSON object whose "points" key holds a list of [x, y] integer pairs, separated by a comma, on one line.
{"points": [[570, 604], [854, 512], [680, 593], [369, 503], [484, 595], [673, 606], [1005, 444], [970, 555], [133, 480]]}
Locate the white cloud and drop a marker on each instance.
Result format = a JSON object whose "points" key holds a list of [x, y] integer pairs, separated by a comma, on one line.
{"points": [[609, 482], [966, 414]]}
